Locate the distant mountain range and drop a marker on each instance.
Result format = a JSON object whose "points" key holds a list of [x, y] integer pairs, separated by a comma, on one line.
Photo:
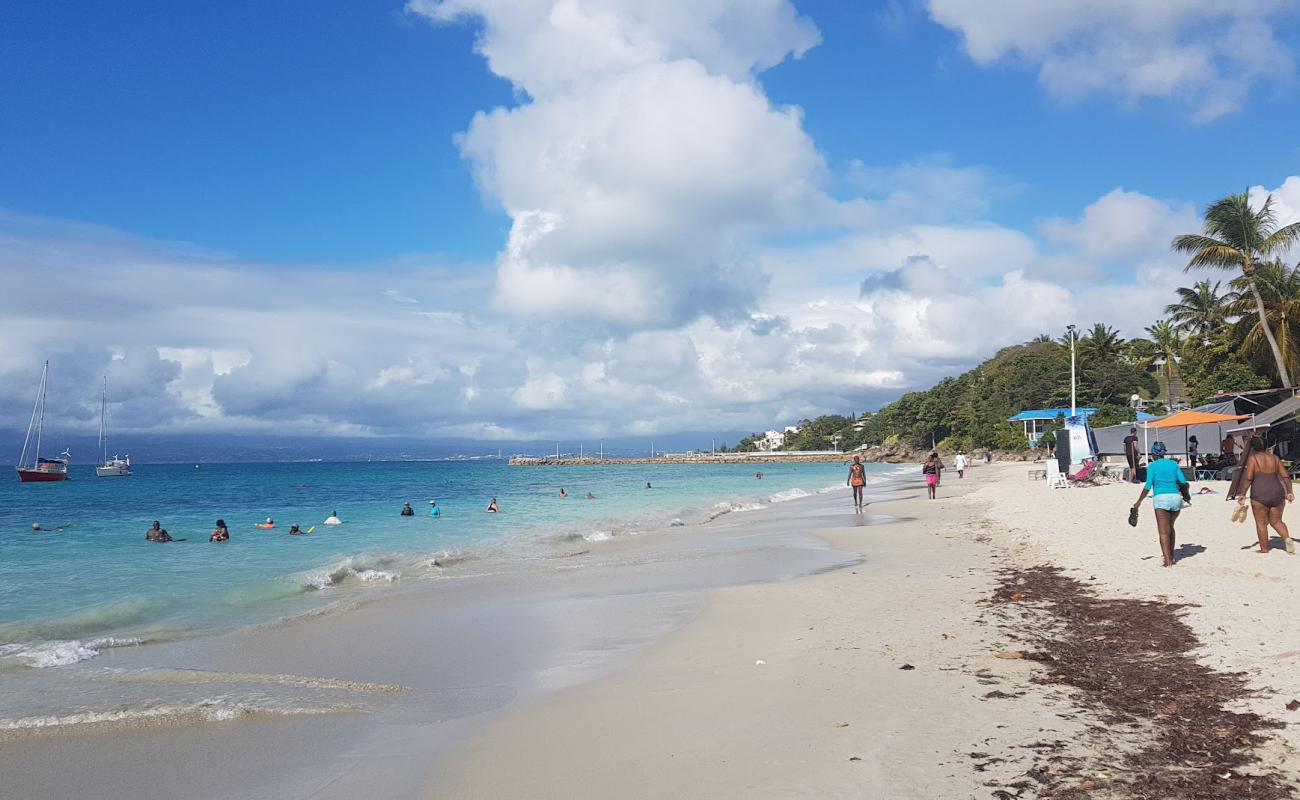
{"points": [[210, 448]]}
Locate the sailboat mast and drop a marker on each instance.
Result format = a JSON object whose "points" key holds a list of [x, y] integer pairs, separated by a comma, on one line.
{"points": [[27, 440], [103, 424], [40, 423]]}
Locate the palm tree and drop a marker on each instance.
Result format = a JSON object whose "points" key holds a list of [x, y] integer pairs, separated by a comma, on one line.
{"points": [[1167, 339], [1236, 236], [1102, 341], [1200, 310], [1042, 338], [1279, 286]]}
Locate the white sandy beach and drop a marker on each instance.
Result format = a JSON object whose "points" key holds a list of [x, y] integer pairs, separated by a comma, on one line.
{"points": [[798, 689], [625, 671]]}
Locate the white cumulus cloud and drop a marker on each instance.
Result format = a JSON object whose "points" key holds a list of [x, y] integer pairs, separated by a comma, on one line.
{"points": [[1202, 54]]}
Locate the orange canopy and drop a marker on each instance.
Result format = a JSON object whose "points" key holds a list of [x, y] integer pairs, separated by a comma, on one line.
{"points": [[1184, 418]]}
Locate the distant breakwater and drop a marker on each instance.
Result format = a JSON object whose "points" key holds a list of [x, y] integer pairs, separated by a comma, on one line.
{"points": [[704, 458]]}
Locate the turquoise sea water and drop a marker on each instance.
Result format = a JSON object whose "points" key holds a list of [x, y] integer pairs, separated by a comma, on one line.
{"points": [[65, 595]]}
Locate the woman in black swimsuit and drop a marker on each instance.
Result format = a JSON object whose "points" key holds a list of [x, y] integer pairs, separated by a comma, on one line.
{"points": [[1270, 491]]}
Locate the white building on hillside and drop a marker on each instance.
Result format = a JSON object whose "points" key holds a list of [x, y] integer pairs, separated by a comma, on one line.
{"points": [[772, 440]]}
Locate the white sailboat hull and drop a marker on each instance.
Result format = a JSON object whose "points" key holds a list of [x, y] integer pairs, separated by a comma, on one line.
{"points": [[112, 471]]}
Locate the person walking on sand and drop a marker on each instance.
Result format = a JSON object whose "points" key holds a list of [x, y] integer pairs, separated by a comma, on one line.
{"points": [[959, 463], [1166, 484], [932, 470], [1270, 491], [857, 479], [1131, 454]]}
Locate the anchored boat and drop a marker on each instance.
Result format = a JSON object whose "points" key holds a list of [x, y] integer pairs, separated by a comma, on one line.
{"points": [[109, 467], [41, 470]]}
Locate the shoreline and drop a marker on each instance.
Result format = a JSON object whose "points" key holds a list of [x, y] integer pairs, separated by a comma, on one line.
{"points": [[453, 651], [793, 651]]}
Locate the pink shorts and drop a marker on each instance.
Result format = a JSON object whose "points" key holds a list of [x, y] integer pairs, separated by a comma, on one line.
{"points": [[931, 479]]}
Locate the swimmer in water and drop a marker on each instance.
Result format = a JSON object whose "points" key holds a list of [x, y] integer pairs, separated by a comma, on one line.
{"points": [[591, 496], [758, 476], [36, 526], [333, 519], [647, 484], [294, 530], [407, 511], [157, 533], [220, 533], [434, 511], [492, 507], [563, 493]]}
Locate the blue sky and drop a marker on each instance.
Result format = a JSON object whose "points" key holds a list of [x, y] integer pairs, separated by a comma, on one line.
{"points": [[283, 132], [248, 164]]}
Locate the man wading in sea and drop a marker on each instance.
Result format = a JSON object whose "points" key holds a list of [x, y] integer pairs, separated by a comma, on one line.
{"points": [[157, 533]]}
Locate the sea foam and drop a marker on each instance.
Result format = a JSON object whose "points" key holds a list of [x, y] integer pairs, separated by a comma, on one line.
{"points": [[58, 653]]}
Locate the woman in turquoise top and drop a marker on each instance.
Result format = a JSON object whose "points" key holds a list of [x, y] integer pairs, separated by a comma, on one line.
{"points": [[1163, 479]]}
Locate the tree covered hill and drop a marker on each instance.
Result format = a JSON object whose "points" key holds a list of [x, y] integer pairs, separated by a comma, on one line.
{"points": [[1216, 339]]}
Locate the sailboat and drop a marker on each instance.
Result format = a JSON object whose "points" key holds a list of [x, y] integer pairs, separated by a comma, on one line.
{"points": [[110, 467], [41, 470]]}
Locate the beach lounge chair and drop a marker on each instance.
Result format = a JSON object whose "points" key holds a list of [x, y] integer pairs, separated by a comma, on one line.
{"points": [[1086, 473], [1055, 479]]}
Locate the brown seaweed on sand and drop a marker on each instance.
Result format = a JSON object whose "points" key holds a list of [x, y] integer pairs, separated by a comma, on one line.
{"points": [[1131, 664]]}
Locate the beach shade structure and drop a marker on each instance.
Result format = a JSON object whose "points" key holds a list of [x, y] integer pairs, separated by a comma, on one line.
{"points": [[1276, 415], [1185, 420]]}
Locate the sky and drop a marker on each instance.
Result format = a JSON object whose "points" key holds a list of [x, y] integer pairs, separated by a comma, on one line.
{"points": [[538, 219]]}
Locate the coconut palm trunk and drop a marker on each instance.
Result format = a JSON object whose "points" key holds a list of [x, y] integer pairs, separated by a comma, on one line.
{"points": [[1248, 270]]}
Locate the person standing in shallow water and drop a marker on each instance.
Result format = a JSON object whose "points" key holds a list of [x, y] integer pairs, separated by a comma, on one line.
{"points": [[932, 469], [1270, 491], [1164, 477], [857, 479]]}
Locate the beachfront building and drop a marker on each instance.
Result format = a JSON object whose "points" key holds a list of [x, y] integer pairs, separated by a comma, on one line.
{"points": [[1037, 421], [772, 440]]}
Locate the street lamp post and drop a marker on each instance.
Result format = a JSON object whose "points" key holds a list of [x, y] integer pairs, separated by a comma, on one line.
{"points": [[1072, 373]]}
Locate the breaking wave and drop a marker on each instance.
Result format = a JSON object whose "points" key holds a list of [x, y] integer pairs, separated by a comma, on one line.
{"points": [[350, 569], [61, 652]]}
